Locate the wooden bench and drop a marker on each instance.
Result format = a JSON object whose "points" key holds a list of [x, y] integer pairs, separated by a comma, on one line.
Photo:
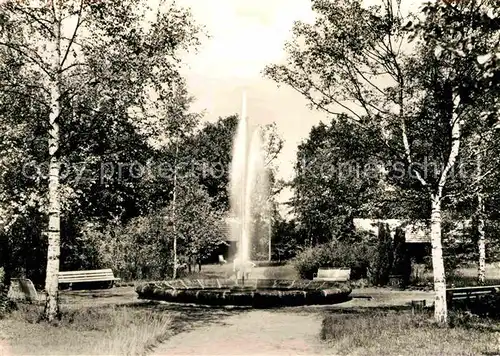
{"points": [[470, 293], [333, 274], [91, 276]]}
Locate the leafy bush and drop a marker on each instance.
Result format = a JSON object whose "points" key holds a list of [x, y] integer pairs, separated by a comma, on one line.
{"points": [[116, 245], [355, 256]]}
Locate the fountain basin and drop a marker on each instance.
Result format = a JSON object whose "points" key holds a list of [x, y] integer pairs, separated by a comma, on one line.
{"points": [[257, 293]]}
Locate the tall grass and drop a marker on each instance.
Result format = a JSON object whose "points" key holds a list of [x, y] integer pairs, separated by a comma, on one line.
{"points": [[87, 331], [133, 333], [401, 333]]}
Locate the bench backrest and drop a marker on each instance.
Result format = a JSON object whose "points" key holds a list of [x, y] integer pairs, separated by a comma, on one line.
{"points": [[473, 289], [465, 292], [335, 274], [90, 275]]}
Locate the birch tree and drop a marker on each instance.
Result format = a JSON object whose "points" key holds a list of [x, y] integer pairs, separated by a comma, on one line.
{"points": [[106, 50], [359, 61], [465, 37]]}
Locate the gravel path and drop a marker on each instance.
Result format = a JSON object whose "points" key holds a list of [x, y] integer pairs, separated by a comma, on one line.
{"points": [[256, 332]]}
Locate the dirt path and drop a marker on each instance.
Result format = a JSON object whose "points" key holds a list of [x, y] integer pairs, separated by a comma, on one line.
{"points": [[289, 331], [255, 332]]}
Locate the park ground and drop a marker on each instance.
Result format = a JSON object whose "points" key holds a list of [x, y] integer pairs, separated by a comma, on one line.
{"points": [[115, 322]]}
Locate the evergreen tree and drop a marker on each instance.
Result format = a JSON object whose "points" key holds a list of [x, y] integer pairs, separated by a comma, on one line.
{"points": [[402, 262], [384, 256]]}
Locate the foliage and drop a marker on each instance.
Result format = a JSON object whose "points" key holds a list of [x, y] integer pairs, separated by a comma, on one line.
{"points": [[357, 62], [286, 241], [209, 154], [424, 97], [116, 247], [198, 228], [331, 185], [198, 225], [96, 127]]}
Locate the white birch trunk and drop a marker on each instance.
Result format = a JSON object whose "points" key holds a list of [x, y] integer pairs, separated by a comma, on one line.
{"points": [[174, 198], [481, 239], [480, 217], [440, 308], [270, 232], [54, 230]]}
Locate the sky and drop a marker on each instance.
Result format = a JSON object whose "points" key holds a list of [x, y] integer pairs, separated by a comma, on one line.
{"points": [[247, 35]]}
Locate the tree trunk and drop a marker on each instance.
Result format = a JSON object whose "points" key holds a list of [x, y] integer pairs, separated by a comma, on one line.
{"points": [[7, 268], [481, 239], [440, 308], [270, 232], [480, 219], [174, 198], [54, 229]]}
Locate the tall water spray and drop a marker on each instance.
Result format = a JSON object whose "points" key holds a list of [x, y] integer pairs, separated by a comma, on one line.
{"points": [[249, 193]]}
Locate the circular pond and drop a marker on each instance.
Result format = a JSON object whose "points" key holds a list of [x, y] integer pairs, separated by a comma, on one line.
{"points": [[257, 293]]}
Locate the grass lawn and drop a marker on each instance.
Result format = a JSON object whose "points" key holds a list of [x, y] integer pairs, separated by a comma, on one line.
{"points": [[389, 332]]}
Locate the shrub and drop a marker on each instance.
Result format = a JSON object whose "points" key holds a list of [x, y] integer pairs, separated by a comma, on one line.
{"points": [[309, 260], [335, 254]]}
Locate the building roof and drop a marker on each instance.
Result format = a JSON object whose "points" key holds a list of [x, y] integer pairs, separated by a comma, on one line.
{"points": [[415, 232]]}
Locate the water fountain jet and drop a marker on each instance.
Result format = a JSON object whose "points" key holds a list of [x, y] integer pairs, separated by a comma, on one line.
{"points": [[248, 196], [248, 189]]}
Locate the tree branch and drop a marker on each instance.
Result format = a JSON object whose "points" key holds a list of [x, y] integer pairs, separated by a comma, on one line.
{"points": [[26, 55], [78, 23], [37, 19], [73, 65], [455, 145]]}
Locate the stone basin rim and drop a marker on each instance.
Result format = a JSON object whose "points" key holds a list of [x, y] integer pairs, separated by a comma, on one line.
{"points": [[269, 293], [257, 284]]}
